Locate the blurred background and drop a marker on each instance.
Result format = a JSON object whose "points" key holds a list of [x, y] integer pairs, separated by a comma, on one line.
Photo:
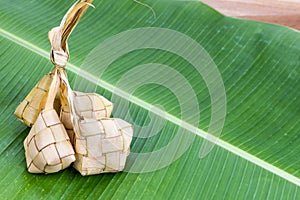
{"points": [[284, 12]]}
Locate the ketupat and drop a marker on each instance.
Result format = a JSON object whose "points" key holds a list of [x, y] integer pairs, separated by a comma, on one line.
{"points": [[101, 144], [91, 105], [47, 146], [29, 109]]}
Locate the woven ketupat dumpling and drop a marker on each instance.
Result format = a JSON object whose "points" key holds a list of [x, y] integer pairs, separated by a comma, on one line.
{"points": [[29, 108], [102, 145], [47, 146], [87, 105], [92, 105]]}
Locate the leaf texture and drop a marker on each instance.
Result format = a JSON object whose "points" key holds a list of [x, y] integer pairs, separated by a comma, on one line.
{"points": [[259, 64]]}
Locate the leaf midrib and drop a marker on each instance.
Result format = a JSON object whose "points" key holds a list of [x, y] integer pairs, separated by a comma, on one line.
{"points": [[133, 99]]}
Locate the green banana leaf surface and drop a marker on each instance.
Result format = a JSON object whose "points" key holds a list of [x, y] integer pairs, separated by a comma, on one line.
{"points": [[256, 155]]}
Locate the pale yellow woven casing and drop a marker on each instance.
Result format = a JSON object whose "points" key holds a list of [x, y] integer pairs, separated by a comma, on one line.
{"points": [[47, 146], [87, 105], [30, 107], [92, 105], [102, 145]]}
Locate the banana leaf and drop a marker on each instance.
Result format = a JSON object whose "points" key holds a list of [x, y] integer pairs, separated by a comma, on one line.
{"points": [[253, 155]]}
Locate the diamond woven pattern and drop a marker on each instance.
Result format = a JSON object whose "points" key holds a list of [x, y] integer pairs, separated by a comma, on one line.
{"points": [[47, 146]]}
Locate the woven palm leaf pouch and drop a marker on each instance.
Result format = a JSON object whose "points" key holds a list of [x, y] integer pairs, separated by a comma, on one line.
{"points": [[102, 144], [71, 126], [30, 107], [88, 105], [47, 146]]}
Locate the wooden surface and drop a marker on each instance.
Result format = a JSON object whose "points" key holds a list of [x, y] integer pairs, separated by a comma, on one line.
{"points": [[284, 12]]}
